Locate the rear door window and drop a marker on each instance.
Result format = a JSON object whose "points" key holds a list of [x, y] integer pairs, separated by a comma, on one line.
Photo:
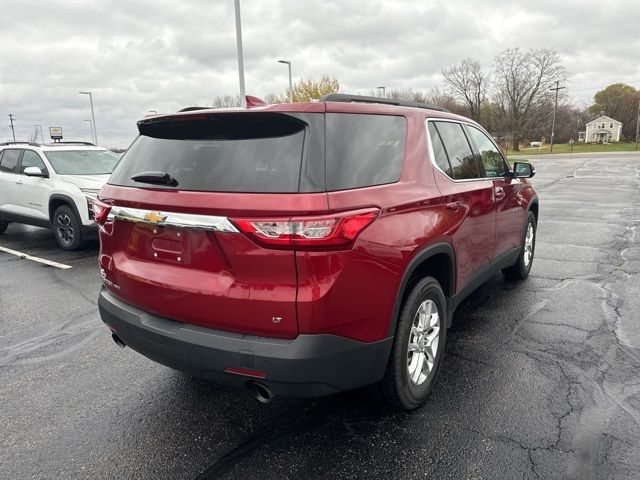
{"points": [[9, 160], [463, 162], [490, 157], [439, 153], [232, 152], [363, 150]]}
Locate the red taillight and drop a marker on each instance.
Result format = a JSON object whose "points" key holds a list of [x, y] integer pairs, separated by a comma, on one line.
{"points": [[100, 211], [330, 231]]}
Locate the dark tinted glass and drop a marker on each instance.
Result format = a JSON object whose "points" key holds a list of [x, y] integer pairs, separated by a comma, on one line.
{"points": [[32, 159], [490, 156], [256, 153], [463, 163], [440, 155], [363, 150], [9, 160]]}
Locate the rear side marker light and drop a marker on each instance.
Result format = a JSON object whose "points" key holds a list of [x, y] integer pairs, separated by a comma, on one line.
{"points": [[100, 211], [332, 231], [247, 372]]}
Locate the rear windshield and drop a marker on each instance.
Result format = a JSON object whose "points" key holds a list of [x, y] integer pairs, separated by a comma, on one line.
{"points": [[82, 162], [256, 153], [266, 152]]}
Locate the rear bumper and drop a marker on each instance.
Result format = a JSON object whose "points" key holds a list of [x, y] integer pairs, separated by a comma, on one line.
{"points": [[307, 366]]}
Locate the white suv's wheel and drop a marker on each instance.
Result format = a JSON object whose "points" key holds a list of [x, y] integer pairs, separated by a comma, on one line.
{"points": [[3, 226], [67, 228]]}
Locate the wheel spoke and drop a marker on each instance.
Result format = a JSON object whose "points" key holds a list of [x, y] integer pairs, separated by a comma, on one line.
{"points": [[423, 339], [418, 371]]}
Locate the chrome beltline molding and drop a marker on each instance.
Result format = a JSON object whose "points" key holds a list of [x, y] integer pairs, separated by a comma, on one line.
{"points": [[172, 219]]}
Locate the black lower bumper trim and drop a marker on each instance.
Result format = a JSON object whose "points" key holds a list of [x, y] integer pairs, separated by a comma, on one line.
{"points": [[307, 366]]}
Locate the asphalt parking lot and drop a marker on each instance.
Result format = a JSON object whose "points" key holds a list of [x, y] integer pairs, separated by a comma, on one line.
{"points": [[541, 378]]}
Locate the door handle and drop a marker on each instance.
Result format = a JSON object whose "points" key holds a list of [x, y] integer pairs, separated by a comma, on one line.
{"points": [[455, 206]]}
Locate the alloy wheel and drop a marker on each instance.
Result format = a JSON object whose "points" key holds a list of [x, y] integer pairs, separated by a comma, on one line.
{"points": [[64, 228], [423, 342]]}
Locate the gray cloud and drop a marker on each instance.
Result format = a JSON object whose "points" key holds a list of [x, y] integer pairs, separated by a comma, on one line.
{"points": [[163, 55]]}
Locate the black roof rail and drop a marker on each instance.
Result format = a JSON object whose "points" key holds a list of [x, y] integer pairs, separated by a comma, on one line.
{"points": [[346, 98], [33, 144], [191, 109], [72, 143]]}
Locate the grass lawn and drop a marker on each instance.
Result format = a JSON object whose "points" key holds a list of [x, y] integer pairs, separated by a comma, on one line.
{"points": [[577, 148]]}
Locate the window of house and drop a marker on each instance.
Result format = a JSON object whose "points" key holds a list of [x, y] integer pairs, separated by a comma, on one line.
{"points": [[611, 125]]}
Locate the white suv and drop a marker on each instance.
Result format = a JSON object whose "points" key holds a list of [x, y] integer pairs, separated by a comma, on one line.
{"points": [[52, 186]]}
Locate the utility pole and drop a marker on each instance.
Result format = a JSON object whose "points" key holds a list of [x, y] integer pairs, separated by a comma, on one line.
{"points": [[11, 119], [555, 107], [243, 99], [638, 124]]}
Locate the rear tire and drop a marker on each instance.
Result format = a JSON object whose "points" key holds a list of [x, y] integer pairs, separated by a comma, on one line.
{"points": [[3, 227], [520, 270], [421, 331], [67, 228]]}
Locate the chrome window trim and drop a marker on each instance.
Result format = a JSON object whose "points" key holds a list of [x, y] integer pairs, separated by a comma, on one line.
{"points": [[432, 154], [172, 219]]}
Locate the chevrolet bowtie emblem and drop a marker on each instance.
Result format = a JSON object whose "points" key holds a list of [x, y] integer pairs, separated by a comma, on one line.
{"points": [[154, 217]]}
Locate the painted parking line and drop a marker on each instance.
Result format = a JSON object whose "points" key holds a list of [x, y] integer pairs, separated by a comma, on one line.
{"points": [[44, 261]]}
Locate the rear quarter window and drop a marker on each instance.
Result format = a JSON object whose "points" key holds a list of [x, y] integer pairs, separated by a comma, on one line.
{"points": [[363, 150]]}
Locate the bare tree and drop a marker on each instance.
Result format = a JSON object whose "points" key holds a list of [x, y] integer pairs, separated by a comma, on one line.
{"points": [[34, 136], [408, 95], [226, 101], [466, 82], [522, 83]]}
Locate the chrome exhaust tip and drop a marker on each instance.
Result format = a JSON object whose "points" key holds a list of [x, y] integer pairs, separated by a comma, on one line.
{"points": [[262, 392]]}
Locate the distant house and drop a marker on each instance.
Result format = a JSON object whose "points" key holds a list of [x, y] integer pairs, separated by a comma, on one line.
{"points": [[601, 130]]}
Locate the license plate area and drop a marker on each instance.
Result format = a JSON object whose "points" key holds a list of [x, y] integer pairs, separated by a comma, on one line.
{"points": [[169, 244]]}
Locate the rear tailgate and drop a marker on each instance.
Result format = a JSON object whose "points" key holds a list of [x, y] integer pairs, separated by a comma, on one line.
{"points": [[175, 253]]}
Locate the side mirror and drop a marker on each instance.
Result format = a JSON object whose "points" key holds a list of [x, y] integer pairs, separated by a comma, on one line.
{"points": [[523, 170], [34, 172]]}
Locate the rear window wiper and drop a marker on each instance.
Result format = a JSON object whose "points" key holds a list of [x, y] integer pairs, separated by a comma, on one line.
{"points": [[158, 178]]}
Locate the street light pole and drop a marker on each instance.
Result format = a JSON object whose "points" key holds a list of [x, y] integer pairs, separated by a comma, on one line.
{"points": [[555, 107], [93, 118], [290, 80], [90, 125], [243, 100]]}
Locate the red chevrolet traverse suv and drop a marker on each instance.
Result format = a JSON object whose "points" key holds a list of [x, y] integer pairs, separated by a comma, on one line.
{"points": [[310, 248]]}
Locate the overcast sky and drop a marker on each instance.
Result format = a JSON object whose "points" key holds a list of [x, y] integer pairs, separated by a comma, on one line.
{"points": [[141, 55]]}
